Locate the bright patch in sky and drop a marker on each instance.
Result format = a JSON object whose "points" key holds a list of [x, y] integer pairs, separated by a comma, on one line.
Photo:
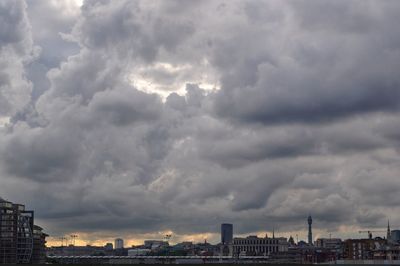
{"points": [[163, 78], [4, 120]]}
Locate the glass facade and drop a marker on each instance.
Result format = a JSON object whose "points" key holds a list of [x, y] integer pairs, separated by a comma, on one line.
{"points": [[226, 233], [16, 234]]}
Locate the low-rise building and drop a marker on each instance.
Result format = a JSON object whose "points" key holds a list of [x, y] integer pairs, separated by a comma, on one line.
{"points": [[72, 250], [256, 246], [139, 252], [108, 247], [329, 243], [155, 244], [362, 249]]}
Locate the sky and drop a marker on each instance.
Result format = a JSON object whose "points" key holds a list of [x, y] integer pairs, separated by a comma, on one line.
{"points": [[135, 119]]}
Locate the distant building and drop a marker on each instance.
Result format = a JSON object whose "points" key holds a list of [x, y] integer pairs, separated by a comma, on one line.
{"points": [[88, 250], [395, 235], [20, 240], [186, 245], [226, 233], [362, 249], [329, 243], [138, 252], [291, 241], [307, 254], [155, 244], [302, 243], [255, 246], [119, 243], [108, 247], [39, 245]]}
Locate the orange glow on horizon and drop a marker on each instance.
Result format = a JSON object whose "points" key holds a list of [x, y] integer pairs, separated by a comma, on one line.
{"points": [[100, 239]]}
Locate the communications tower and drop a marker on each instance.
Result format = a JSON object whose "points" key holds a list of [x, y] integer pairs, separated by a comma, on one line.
{"points": [[309, 230]]}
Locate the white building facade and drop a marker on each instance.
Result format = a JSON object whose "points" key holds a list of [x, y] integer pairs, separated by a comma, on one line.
{"points": [[253, 245], [119, 243]]}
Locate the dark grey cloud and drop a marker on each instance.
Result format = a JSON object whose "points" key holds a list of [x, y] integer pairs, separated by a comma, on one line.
{"points": [[14, 25], [41, 156], [310, 69], [50, 33], [125, 106], [266, 112]]}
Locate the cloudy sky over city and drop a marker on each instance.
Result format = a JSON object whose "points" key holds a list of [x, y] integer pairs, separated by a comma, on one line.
{"points": [[137, 118]]}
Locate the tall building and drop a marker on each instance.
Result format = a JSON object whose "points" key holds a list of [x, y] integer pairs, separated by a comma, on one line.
{"points": [[309, 230], [20, 240], [395, 235], [226, 233], [119, 243]]}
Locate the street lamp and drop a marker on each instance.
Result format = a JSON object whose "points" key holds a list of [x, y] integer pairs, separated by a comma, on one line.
{"points": [[73, 237]]}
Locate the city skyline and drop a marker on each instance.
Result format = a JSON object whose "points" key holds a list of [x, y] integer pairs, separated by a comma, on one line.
{"points": [[360, 233], [137, 119]]}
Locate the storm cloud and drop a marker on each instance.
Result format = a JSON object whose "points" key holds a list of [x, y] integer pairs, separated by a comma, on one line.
{"points": [[134, 117]]}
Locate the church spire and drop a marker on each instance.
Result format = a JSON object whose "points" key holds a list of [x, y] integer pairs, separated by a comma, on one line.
{"points": [[388, 235]]}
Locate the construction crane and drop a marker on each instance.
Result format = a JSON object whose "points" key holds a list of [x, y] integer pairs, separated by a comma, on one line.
{"points": [[370, 232]]}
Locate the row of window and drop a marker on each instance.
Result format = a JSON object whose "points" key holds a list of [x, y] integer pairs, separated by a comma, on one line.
{"points": [[6, 211], [261, 249], [6, 205], [6, 234], [6, 217], [255, 241]]}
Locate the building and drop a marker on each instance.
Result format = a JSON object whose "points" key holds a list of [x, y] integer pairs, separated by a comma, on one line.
{"points": [[20, 240], [39, 245], [108, 247], [395, 235], [307, 254], [139, 252], [362, 249], [329, 243], [88, 250], [255, 246], [155, 244], [390, 253], [119, 243], [310, 239], [182, 249], [226, 233], [291, 241]]}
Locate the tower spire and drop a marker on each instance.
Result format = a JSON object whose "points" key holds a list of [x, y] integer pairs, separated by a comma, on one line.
{"points": [[388, 235]]}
